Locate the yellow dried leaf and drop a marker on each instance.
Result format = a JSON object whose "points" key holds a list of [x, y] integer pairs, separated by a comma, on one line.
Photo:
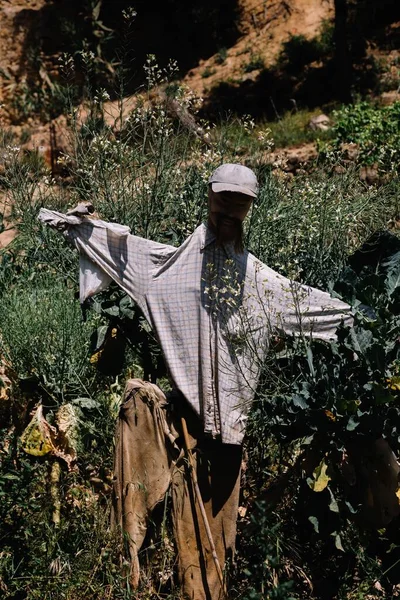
{"points": [[68, 424], [398, 495], [394, 383], [94, 359], [330, 415], [37, 437], [321, 478], [40, 438]]}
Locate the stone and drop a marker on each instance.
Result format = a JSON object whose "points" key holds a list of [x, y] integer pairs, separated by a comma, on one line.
{"points": [[369, 174], [351, 151], [320, 123], [388, 98]]}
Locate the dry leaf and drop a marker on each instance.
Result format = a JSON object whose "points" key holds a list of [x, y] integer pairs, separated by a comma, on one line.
{"points": [[41, 438], [394, 383], [66, 442], [37, 437], [330, 415], [321, 478]]}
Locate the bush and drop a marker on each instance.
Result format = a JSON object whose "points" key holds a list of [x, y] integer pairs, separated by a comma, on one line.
{"points": [[298, 51], [255, 63], [374, 129], [221, 56], [330, 423]]}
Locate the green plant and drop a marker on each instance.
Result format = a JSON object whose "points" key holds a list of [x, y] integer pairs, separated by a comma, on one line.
{"points": [[298, 51], [255, 63], [341, 404], [43, 337], [308, 227], [41, 559], [208, 71], [46, 101], [375, 131], [263, 566], [325, 39], [221, 56]]}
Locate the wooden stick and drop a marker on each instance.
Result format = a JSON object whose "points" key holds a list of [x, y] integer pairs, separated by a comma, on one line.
{"points": [[201, 505]]}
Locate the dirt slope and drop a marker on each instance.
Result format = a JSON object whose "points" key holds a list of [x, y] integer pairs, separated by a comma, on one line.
{"points": [[14, 16], [264, 26]]}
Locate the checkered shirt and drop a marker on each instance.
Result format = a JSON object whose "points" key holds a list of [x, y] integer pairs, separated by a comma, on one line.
{"points": [[212, 309]]}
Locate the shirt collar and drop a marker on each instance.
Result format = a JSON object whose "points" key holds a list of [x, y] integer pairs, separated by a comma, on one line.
{"points": [[207, 237]]}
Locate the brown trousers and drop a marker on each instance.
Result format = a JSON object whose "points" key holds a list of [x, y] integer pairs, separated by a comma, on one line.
{"points": [[148, 459]]}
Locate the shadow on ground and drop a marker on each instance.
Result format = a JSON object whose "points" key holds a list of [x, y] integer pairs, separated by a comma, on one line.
{"points": [[184, 31]]}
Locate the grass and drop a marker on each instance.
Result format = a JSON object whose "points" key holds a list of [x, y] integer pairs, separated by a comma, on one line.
{"points": [[292, 129], [41, 322]]}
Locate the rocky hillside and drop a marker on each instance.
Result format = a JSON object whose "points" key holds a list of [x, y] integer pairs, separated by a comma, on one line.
{"points": [[264, 27], [230, 54], [32, 41]]}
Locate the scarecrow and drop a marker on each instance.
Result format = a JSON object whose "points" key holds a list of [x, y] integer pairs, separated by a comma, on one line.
{"points": [[215, 309]]}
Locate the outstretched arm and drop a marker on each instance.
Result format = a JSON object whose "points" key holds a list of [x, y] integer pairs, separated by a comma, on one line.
{"points": [[109, 252], [299, 309]]}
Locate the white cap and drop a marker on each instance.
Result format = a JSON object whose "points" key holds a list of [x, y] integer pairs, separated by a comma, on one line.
{"points": [[234, 178]]}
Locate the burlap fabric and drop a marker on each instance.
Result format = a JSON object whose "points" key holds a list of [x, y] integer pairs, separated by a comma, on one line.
{"points": [[149, 458]]}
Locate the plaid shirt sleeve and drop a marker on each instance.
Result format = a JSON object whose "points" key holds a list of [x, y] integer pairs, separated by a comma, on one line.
{"points": [[297, 309], [109, 252]]}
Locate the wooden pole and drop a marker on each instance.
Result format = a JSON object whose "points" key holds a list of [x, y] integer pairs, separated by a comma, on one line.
{"points": [[201, 505]]}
